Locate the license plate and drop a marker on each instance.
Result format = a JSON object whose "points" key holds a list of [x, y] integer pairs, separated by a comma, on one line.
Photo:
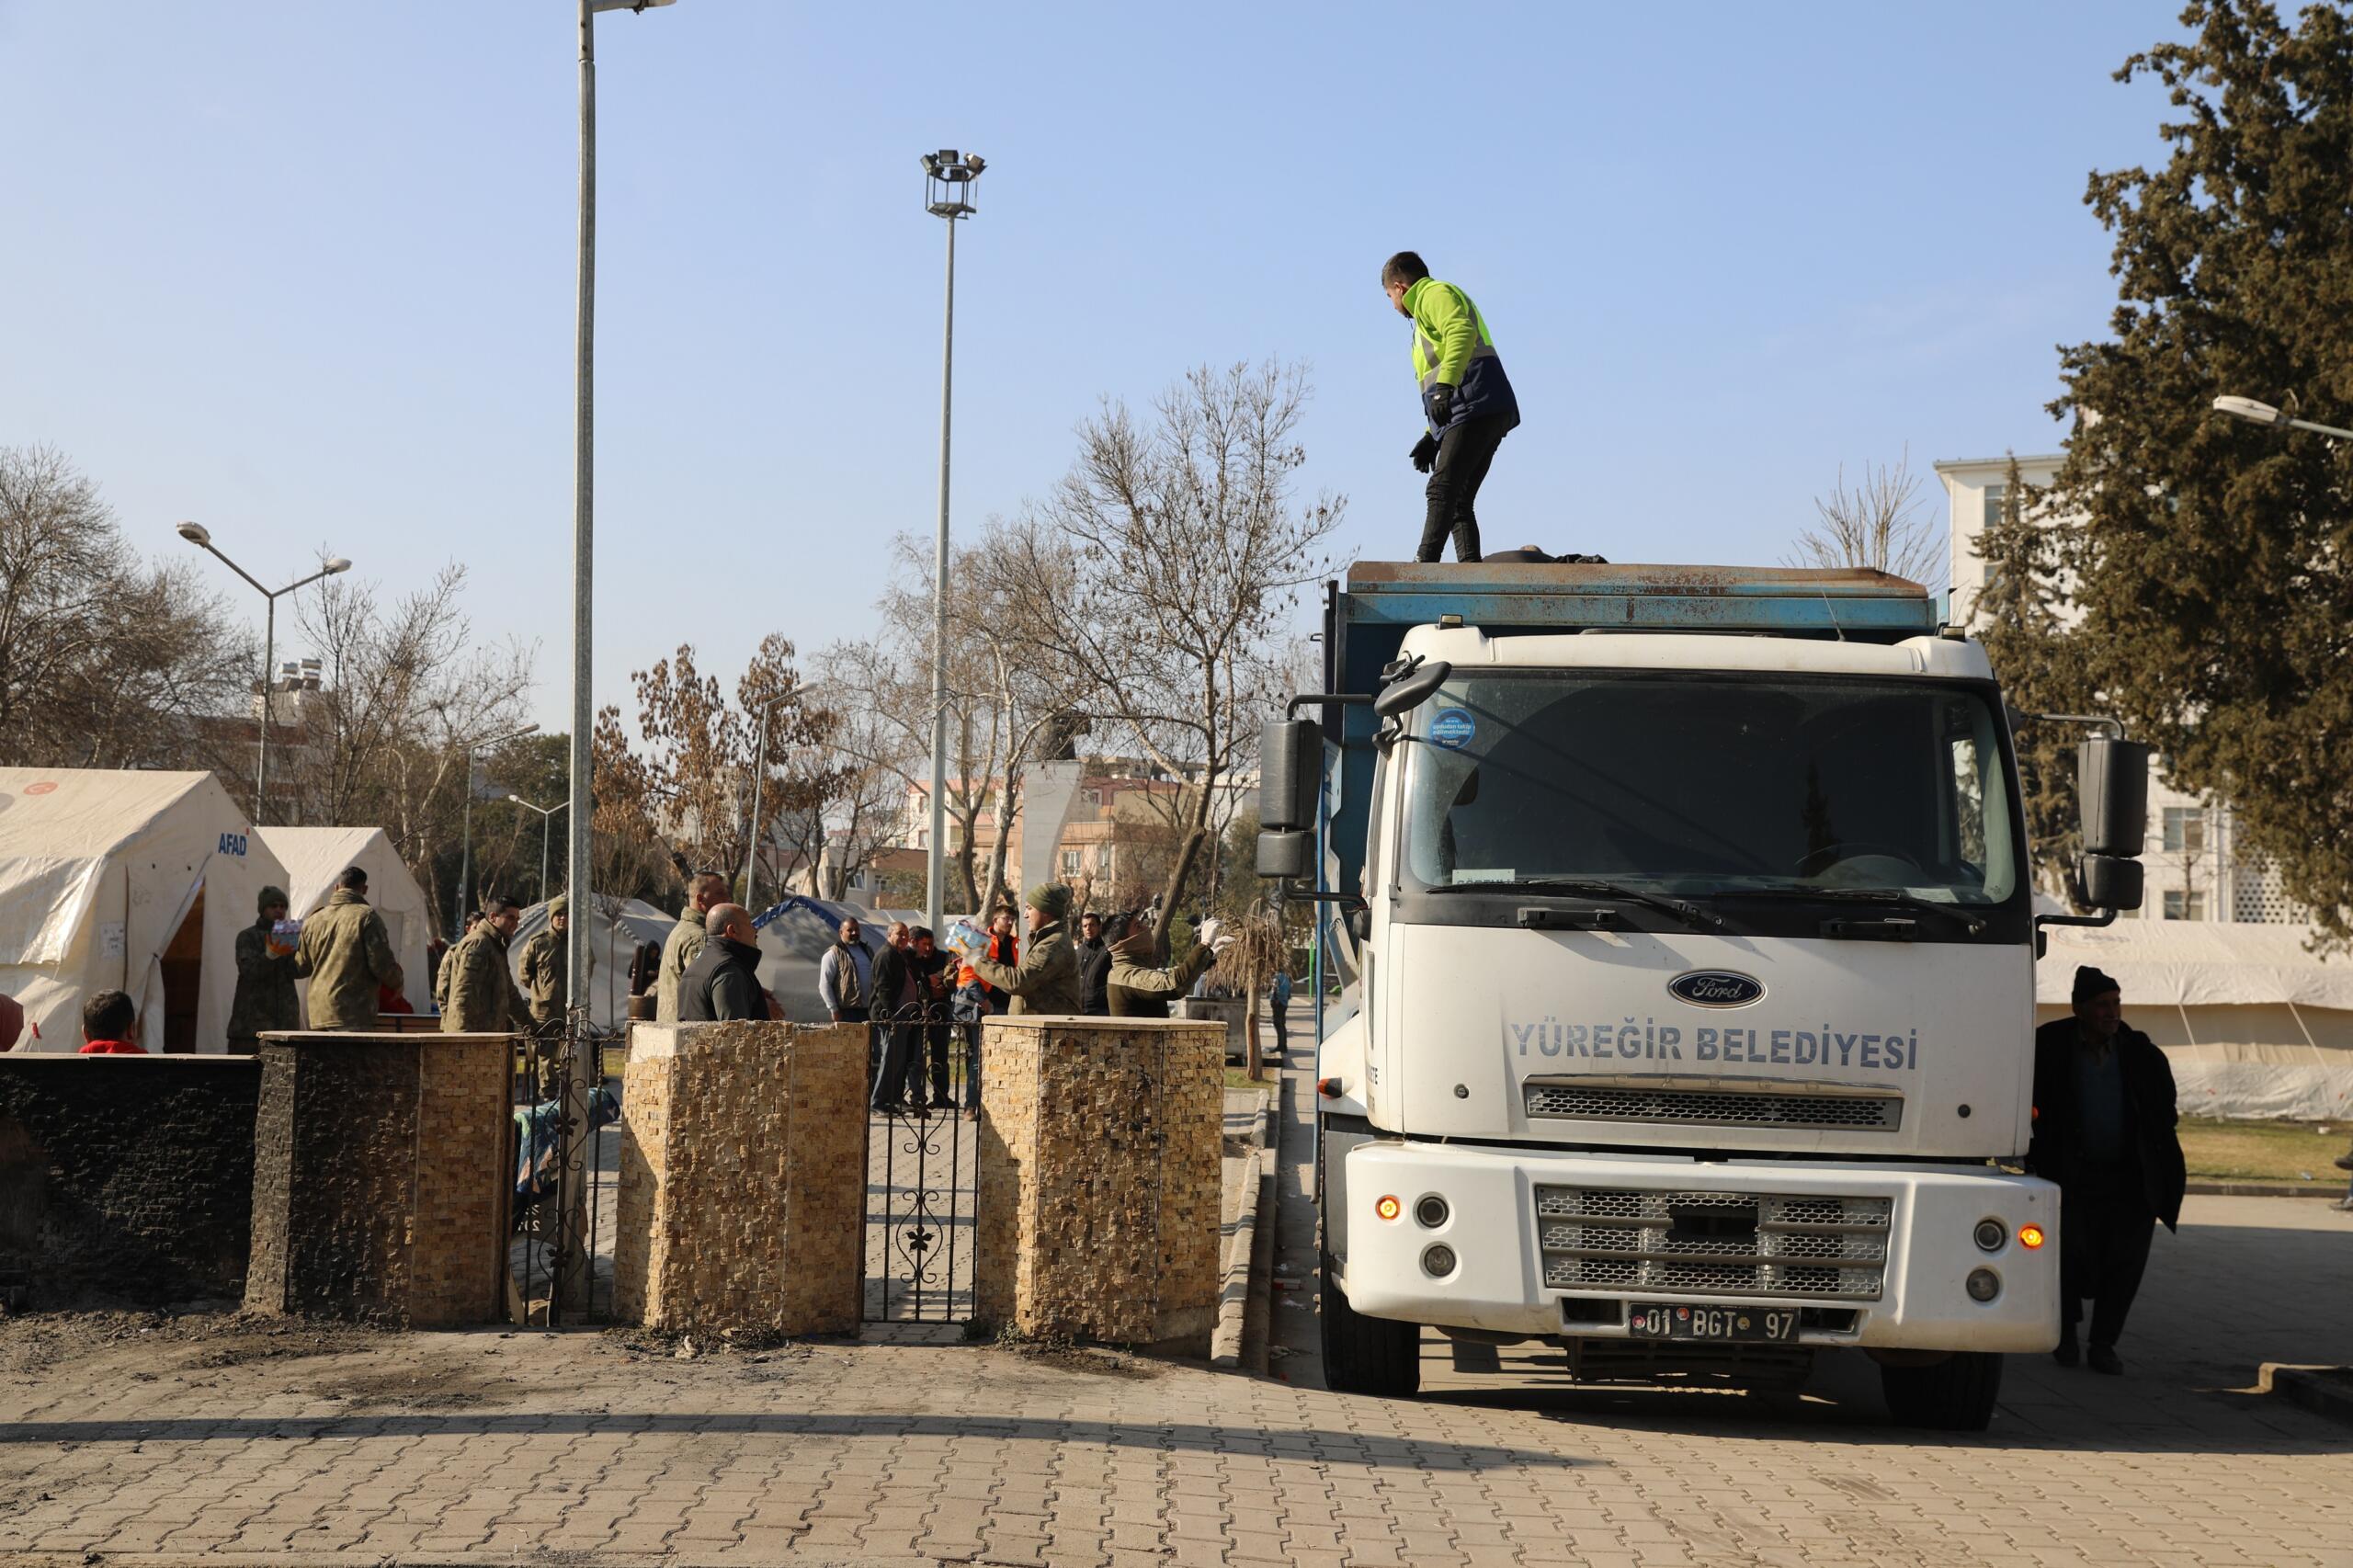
{"points": [[1665, 1320]]}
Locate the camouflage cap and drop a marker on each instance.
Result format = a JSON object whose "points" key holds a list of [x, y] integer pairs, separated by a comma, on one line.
{"points": [[1052, 900], [561, 903], [267, 896]]}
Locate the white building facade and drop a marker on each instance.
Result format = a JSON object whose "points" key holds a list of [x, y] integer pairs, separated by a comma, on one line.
{"points": [[2193, 870]]}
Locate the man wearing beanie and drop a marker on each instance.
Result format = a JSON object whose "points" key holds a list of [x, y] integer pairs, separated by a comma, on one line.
{"points": [[264, 997], [2104, 1119], [1046, 980]]}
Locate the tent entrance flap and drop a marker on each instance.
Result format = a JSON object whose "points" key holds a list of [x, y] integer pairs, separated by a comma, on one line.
{"points": [[182, 966]]}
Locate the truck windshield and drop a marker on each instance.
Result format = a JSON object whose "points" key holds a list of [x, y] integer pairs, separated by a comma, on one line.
{"points": [[1694, 784]]}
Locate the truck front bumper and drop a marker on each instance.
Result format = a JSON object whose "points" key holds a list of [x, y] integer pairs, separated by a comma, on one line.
{"points": [[1513, 1257]]}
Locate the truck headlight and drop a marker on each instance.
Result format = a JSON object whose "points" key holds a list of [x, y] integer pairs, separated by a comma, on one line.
{"points": [[1991, 1234], [1984, 1284], [1438, 1261], [1431, 1212]]}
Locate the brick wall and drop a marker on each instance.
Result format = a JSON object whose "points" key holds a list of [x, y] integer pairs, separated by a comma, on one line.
{"points": [[128, 1177], [743, 1178], [1099, 1173], [380, 1177]]}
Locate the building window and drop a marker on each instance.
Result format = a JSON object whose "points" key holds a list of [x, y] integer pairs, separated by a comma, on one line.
{"points": [[2181, 905], [1992, 515], [2186, 830], [1070, 862]]}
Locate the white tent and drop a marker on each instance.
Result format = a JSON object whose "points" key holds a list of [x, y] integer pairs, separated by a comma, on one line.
{"points": [[619, 925], [132, 881], [315, 859], [2255, 1025]]}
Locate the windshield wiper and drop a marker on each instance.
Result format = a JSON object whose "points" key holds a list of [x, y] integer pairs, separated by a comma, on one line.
{"points": [[1689, 914], [1888, 896]]}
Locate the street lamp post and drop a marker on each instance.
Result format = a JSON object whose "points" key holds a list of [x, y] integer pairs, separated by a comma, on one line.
{"points": [[466, 831], [199, 536], [950, 183], [759, 778], [547, 821], [2255, 413]]}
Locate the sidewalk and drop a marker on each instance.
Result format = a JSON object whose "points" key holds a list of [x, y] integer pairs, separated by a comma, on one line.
{"points": [[152, 1440]]}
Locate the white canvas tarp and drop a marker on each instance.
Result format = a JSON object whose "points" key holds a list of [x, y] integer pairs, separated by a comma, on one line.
{"points": [[99, 872], [315, 859], [616, 927], [2255, 1027]]}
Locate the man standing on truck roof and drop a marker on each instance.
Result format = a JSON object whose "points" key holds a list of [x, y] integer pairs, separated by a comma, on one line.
{"points": [[1466, 399]]}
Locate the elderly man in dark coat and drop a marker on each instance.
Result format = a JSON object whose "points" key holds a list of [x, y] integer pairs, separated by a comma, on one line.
{"points": [[2104, 1119]]}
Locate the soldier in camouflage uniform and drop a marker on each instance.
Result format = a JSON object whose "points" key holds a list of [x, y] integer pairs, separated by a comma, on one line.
{"points": [[543, 957], [705, 891], [482, 998], [265, 997], [346, 954]]}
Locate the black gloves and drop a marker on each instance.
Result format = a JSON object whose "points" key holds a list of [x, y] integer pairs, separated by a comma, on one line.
{"points": [[1424, 453], [1441, 405]]}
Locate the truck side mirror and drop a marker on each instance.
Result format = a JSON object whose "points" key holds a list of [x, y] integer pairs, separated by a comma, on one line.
{"points": [[1291, 853], [2111, 882], [1291, 774], [2112, 797], [1412, 688]]}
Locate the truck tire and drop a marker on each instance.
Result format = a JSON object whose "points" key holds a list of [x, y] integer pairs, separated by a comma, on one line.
{"points": [[1955, 1394], [1362, 1355]]}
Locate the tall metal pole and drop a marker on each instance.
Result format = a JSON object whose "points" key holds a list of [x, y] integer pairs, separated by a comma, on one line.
{"points": [[751, 838], [936, 862], [465, 841], [546, 825], [573, 1281], [268, 688]]}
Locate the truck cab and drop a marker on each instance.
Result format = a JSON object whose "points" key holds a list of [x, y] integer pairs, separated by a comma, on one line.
{"points": [[1686, 934]]}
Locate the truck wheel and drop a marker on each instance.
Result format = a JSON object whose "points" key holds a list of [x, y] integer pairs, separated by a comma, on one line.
{"points": [[1362, 1355], [1955, 1394]]}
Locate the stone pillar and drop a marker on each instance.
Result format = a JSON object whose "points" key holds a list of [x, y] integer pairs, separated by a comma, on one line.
{"points": [[382, 1177], [1100, 1155], [743, 1191]]}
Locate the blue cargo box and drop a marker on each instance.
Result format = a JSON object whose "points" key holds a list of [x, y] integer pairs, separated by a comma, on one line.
{"points": [[1365, 624]]}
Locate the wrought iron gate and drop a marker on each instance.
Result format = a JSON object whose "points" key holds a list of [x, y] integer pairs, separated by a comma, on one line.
{"points": [[923, 1136], [565, 1149]]}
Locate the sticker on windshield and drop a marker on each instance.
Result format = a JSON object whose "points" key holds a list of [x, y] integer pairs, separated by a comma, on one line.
{"points": [[1452, 728]]}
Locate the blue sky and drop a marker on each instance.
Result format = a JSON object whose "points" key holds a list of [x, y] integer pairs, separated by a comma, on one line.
{"points": [[302, 270]]}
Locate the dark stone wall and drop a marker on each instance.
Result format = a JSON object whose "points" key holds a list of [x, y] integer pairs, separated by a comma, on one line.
{"points": [[128, 1177], [335, 1173]]}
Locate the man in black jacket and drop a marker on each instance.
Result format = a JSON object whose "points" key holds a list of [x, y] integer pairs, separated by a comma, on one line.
{"points": [[2104, 1119], [1093, 965], [723, 981]]}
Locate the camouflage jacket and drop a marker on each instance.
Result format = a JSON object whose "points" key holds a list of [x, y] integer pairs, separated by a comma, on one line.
{"points": [[480, 996], [347, 953], [265, 997], [543, 976], [683, 945]]}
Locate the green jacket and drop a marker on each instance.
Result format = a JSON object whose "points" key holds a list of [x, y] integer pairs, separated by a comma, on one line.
{"points": [[481, 997], [346, 954], [265, 997], [544, 975], [681, 948], [1451, 345], [1045, 981], [1138, 991]]}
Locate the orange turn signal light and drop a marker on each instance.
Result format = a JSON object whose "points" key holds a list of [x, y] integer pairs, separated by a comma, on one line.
{"points": [[1389, 1209], [1328, 1088], [2030, 1236]]}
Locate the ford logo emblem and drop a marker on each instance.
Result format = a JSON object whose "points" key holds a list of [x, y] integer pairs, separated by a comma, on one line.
{"points": [[1716, 988]]}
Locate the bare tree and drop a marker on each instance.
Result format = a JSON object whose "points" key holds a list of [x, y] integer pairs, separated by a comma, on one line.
{"points": [[105, 661], [1876, 522], [1196, 548]]}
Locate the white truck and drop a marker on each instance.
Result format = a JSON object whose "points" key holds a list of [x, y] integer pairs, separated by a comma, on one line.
{"points": [[1678, 927]]}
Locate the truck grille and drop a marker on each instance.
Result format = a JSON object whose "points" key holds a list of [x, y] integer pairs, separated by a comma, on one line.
{"points": [[1740, 1244], [1720, 1108]]}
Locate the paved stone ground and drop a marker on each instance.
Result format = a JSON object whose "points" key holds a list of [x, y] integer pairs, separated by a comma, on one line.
{"points": [[211, 1441]]}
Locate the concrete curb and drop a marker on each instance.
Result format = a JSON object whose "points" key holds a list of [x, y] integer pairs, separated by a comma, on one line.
{"points": [[2313, 1388], [1233, 1297], [2262, 1189]]}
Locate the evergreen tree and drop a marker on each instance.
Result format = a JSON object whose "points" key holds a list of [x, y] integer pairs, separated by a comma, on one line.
{"points": [[2041, 668], [2214, 568]]}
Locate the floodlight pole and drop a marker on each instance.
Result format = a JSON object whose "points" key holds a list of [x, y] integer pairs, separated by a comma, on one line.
{"points": [[955, 178], [547, 821]]}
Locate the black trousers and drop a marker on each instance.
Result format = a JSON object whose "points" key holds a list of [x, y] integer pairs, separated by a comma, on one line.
{"points": [[2103, 1250], [898, 1081], [1464, 453]]}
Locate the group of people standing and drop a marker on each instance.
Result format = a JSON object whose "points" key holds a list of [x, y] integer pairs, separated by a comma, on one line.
{"points": [[915, 994]]}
